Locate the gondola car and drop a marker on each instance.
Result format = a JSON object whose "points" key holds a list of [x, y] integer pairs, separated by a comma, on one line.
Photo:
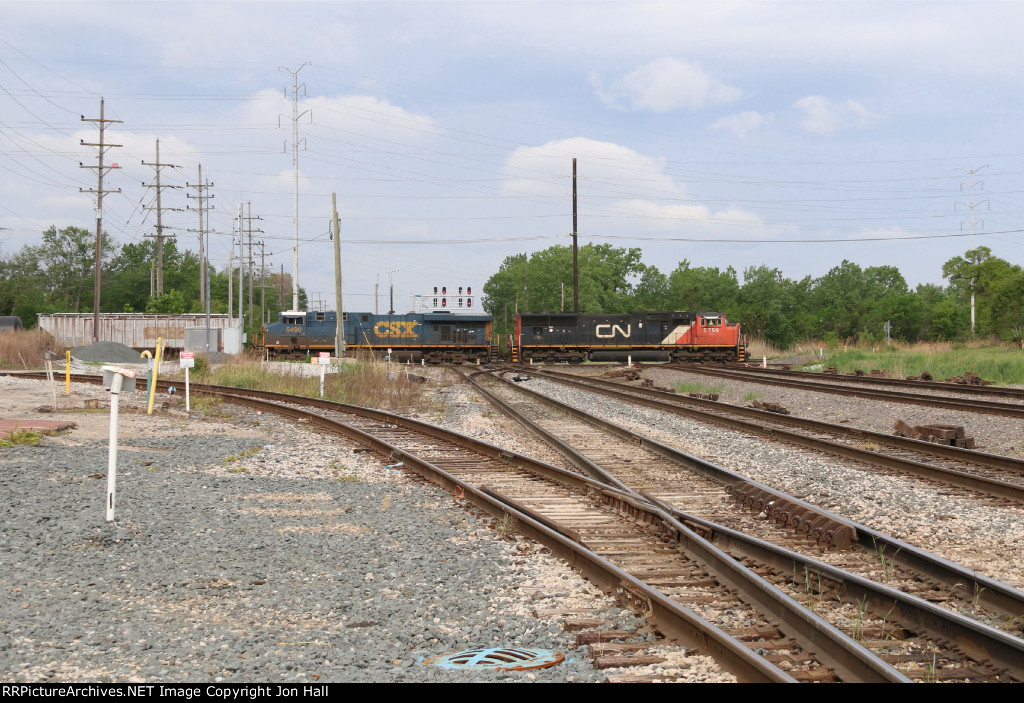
{"points": [[642, 336], [433, 337]]}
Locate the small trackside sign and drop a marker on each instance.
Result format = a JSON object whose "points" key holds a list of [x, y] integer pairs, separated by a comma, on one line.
{"points": [[325, 359], [187, 360]]}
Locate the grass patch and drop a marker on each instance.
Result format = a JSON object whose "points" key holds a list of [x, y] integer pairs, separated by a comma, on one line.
{"points": [[685, 388], [251, 451], [26, 438], [752, 395], [1003, 365]]}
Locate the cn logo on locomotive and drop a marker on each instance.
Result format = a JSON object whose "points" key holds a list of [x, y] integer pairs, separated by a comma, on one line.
{"points": [[609, 331], [395, 328]]}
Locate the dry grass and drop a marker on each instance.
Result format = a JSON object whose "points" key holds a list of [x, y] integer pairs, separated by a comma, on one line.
{"points": [[364, 382], [20, 349]]}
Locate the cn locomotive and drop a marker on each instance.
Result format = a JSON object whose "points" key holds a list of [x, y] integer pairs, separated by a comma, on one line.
{"points": [[642, 336], [433, 337]]}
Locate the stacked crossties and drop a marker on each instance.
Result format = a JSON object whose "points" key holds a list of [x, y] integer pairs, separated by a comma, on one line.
{"points": [[953, 435]]}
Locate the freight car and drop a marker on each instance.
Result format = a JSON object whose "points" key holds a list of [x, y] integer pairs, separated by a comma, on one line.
{"points": [[643, 336], [433, 337], [137, 330]]}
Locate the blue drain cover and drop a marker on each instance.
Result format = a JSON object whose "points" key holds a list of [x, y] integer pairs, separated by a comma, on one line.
{"points": [[501, 659]]}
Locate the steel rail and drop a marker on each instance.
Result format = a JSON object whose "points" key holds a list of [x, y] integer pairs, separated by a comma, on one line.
{"points": [[835, 379], [672, 619], [995, 594], [841, 653], [669, 402], [982, 642], [974, 406]]}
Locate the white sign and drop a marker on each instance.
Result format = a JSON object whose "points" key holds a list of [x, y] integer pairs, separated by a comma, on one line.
{"points": [[325, 358], [187, 360]]}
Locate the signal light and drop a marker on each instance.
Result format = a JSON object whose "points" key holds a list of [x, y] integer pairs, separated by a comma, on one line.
{"points": [[460, 290], [444, 290], [435, 290], [444, 302], [469, 291], [460, 302], [435, 300], [469, 302]]}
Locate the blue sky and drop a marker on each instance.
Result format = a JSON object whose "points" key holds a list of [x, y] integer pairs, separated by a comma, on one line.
{"points": [[790, 134]]}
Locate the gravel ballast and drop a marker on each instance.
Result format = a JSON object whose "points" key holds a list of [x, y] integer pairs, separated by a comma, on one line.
{"points": [[255, 551]]}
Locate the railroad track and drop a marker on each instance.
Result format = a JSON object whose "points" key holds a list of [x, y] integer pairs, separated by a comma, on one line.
{"points": [[974, 405], [839, 379], [628, 544], [995, 476], [682, 484]]}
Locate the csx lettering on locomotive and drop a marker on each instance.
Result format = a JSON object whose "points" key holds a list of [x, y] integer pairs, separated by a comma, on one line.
{"points": [[396, 328]]}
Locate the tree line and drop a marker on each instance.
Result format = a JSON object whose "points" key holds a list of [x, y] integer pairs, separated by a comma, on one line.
{"points": [[57, 276], [847, 303]]}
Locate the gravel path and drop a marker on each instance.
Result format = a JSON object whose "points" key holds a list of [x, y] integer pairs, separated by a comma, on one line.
{"points": [[246, 550]]}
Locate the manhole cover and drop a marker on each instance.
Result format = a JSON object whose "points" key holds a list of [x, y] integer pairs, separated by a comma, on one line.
{"points": [[503, 659]]}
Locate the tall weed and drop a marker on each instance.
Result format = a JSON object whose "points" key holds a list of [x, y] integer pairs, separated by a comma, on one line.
{"points": [[21, 348]]}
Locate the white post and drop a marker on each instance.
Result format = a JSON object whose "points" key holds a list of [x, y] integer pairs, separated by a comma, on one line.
{"points": [[629, 360], [764, 362], [115, 390], [323, 370], [188, 408], [53, 386]]}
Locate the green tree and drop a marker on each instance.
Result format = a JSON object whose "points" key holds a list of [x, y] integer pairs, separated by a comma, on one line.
{"points": [[703, 288], [768, 305]]}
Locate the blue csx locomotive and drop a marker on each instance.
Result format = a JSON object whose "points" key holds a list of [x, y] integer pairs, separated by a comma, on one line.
{"points": [[434, 337]]}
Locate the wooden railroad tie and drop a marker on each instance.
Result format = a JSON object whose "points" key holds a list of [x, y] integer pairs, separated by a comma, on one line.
{"points": [[952, 435], [770, 407]]}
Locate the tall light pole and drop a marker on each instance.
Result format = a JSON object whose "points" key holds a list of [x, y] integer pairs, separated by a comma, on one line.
{"points": [[391, 285]]}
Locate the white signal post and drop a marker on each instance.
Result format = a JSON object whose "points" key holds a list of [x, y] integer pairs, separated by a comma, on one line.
{"points": [[187, 360], [119, 375], [325, 361]]}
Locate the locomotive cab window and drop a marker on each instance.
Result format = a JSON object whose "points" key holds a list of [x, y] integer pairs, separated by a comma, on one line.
{"points": [[320, 317], [712, 321], [294, 320]]}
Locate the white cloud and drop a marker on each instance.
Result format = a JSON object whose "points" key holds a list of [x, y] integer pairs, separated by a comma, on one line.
{"points": [[741, 124], [665, 84], [361, 115], [823, 116], [543, 170], [625, 190]]}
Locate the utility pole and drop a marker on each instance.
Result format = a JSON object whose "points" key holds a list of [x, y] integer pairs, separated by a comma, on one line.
{"points": [[263, 281], [249, 228], [157, 166], [295, 169], [970, 205], [575, 247], [339, 328], [202, 196], [241, 270], [101, 149], [526, 281], [391, 284]]}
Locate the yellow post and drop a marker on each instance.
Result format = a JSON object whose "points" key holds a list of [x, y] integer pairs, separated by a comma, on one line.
{"points": [[156, 369], [67, 372]]}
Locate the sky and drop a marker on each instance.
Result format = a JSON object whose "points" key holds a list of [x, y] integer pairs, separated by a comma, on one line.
{"points": [[794, 135]]}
